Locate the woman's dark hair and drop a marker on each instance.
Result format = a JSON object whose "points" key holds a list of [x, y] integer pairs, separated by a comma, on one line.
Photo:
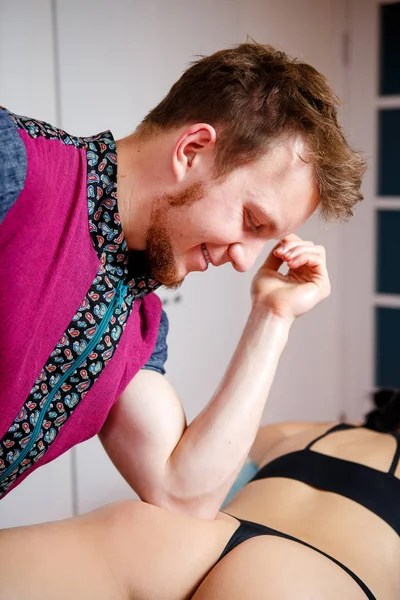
{"points": [[386, 416]]}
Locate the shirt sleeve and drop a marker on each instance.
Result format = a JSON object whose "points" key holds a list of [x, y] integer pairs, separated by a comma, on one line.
{"points": [[13, 163], [158, 359]]}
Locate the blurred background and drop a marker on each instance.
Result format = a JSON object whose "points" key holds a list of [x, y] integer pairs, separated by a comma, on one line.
{"points": [[90, 65]]}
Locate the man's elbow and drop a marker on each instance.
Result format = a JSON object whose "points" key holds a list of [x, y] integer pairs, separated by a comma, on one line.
{"points": [[175, 499]]}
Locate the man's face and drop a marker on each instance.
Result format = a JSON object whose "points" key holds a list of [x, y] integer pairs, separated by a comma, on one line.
{"points": [[232, 220]]}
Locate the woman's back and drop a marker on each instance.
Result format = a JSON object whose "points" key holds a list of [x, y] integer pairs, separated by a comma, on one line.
{"points": [[343, 527], [136, 551]]}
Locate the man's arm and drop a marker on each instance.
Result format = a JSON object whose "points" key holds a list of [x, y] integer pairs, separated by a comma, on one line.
{"points": [[191, 468]]}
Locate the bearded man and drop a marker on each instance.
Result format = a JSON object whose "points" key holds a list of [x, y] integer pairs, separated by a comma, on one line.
{"points": [[243, 149]]}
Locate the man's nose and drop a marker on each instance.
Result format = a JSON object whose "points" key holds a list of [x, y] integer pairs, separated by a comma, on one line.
{"points": [[243, 255]]}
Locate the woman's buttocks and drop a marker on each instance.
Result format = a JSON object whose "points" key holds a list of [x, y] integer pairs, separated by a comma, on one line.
{"points": [[336, 525], [271, 568]]}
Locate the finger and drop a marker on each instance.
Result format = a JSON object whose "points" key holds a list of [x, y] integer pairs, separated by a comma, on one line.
{"points": [[286, 247], [290, 237], [297, 254], [298, 251], [312, 261], [272, 262]]}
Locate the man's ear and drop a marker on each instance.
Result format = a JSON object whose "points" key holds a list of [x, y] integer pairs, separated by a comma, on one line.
{"points": [[194, 143]]}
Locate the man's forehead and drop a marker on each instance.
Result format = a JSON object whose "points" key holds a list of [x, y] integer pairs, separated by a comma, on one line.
{"points": [[284, 213], [286, 154]]}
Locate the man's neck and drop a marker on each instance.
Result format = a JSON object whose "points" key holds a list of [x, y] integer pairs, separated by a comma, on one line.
{"points": [[144, 176], [135, 191]]}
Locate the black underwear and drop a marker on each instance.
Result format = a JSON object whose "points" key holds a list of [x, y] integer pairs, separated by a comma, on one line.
{"points": [[248, 529], [377, 491]]}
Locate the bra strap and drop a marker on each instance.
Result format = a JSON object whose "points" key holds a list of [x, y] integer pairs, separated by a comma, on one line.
{"points": [[396, 457], [337, 427]]}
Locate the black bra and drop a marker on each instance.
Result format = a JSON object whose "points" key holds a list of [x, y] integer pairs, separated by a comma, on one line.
{"points": [[378, 491]]}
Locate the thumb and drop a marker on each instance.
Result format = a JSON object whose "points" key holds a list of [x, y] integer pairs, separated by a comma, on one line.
{"points": [[273, 262]]}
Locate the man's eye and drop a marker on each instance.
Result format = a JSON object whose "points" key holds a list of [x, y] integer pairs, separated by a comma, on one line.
{"points": [[251, 225]]}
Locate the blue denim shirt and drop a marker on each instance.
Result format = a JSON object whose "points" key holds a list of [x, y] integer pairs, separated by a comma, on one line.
{"points": [[13, 164], [158, 359]]}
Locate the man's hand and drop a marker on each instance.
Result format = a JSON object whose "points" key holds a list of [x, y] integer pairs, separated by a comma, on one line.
{"points": [[305, 284]]}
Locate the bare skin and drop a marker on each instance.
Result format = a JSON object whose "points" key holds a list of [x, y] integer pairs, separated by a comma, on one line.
{"points": [[191, 468], [172, 207], [334, 524], [135, 551]]}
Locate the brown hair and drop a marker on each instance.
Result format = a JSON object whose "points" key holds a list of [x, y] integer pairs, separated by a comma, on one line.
{"points": [[253, 95]]}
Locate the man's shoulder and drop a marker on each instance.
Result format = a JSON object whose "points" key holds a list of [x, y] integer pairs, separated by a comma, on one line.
{"points": [[13, 163], [37, 128]]}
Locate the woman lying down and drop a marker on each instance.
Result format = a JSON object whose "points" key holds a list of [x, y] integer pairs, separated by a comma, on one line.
{"points": [[320, 520]]}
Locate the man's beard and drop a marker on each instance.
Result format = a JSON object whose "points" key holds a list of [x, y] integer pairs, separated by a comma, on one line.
{"points": [[160, 252]]}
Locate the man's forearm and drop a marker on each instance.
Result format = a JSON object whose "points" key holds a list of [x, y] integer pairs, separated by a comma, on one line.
{"points": [[191, 469], [212, 450]]}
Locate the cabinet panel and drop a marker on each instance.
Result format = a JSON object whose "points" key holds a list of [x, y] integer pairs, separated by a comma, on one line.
{"points": [[27, 87]]}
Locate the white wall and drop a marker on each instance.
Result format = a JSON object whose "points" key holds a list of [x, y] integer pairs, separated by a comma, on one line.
{"points": [[27, 69], [359, 242], [308, 382], [27, 86], [116, 60], [360, 297]]}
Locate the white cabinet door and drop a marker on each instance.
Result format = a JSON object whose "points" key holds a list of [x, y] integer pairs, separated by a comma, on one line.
{"points": [[117, 60], [46, 495], [308, 384], [361, 302], [27, 67], [120, 61], [27, 87]]}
